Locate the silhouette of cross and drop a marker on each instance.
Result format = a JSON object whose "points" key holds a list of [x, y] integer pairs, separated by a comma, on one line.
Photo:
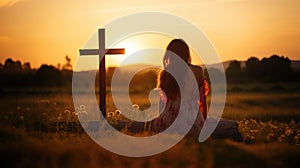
{"points": [[102, 52]]}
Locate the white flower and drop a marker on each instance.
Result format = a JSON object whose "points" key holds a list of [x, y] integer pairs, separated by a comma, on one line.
{"points": [[82, 107], [118, 112], [110, 114], [136, 106]]}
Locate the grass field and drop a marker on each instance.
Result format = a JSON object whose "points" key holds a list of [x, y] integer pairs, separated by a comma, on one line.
{"points": [[268, 120]]}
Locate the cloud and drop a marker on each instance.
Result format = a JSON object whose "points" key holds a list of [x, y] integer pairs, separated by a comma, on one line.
{"points": [[8, 3]]}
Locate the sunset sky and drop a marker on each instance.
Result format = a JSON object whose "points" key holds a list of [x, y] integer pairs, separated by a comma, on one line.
{"points": [[40, 32]]}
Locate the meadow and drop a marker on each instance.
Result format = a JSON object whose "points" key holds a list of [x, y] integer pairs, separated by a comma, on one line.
{"points": [[267, 114]]}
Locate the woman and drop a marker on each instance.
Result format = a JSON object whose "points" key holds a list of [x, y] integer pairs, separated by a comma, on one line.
{"points": [[176, 55]]}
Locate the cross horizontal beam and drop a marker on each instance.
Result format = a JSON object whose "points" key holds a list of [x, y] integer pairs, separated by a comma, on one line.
{"points": [[97, 51]]}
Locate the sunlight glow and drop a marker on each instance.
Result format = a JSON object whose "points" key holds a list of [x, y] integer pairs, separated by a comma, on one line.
{"points": [[136, 44], [131, 46]]}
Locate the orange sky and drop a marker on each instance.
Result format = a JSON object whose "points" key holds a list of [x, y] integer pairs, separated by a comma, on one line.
{"points": [[39, 32]]}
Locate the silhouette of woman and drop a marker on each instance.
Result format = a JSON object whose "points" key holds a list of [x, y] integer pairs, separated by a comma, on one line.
{"points": [[169, 90]]}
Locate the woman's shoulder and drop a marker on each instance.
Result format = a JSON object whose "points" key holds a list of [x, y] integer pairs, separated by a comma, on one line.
{"points": [[196, 68]]}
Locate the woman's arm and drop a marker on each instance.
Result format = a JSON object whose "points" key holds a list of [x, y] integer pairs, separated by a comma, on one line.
{"points": [[203, 90]]}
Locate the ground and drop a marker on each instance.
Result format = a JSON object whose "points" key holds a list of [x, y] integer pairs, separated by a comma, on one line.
{"points": [[268, 120]]}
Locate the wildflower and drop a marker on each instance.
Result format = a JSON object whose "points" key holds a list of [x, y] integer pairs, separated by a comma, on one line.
{"points": [[292, 123], [136, 106], [18, 108], [262, 124], [252, 138], [28, 109], [281, 138], [21, 117], [67, 111], [59, 117], [288, 132], [270, 135], [118, 112], [254, 131], [253, 121], [110, 114], [271, 125], [82, 107], [45, 101], [297, 138]]}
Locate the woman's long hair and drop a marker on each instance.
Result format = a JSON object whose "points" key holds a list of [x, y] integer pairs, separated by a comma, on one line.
{"points": [[177, 53]]}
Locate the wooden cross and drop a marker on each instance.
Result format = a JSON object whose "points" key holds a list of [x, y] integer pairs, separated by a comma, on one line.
{"points": [[102, 52]]}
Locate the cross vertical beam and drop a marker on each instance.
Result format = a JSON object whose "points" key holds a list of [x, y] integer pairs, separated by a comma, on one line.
{"points": [[102, 75]]}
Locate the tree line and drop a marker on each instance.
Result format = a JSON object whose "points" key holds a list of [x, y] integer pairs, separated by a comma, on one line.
{"points": [[15, 74], [273, 69]]}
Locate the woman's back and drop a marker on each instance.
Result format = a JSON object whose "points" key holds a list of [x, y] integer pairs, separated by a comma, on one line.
{"points": [[187, 101], [180, 97]]}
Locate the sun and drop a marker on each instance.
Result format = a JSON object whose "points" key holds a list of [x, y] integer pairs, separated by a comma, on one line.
{"points": [[131, 46]]}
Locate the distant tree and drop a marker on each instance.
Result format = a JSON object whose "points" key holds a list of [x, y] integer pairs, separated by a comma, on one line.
{"points": [[66, 71], [15, 74], [26, 66], [58, 66], [276, 69], [12, 73], [252, 69], [67, 65], [48, 75], [234, 72], [296, 75], [12, 66]]}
